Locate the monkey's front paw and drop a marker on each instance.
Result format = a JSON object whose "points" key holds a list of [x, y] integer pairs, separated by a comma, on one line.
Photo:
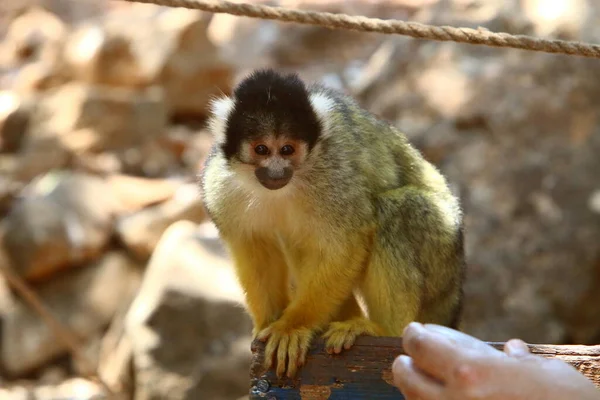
{"points": [[344, 333], [288, 344], [256, 330]]}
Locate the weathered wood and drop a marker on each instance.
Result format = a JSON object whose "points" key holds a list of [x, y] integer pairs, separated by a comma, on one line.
{"points": [[364, 372]]}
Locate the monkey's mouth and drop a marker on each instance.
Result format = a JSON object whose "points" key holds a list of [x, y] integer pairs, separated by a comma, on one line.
{"points": [[273, 180], [275, 184]]}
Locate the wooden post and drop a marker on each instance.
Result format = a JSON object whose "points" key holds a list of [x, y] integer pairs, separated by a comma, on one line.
{"points": [[364, 372]]}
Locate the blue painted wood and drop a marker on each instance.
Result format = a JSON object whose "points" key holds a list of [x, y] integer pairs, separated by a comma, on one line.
{"points": [[361, 373]]}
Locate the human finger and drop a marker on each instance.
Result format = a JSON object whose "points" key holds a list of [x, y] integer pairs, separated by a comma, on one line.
{"points": [[432, 352], [413, 383], [464, 341]]}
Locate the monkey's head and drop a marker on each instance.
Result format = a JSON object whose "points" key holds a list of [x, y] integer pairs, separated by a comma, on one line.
{"points": [[267, 128]]}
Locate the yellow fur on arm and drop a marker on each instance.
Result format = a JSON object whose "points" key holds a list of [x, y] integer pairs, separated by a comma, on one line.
{"points": [[263, 275], [323, 286]]}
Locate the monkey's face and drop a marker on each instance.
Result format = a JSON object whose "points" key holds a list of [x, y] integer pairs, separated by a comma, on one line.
{"points": [[266, 130], [274, 160]]}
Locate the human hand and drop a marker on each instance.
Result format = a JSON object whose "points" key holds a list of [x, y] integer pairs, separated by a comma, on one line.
{"points": [[442, 363]]}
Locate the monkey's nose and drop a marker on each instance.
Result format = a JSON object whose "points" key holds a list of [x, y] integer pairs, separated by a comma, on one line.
{"points": [[273, 179]]}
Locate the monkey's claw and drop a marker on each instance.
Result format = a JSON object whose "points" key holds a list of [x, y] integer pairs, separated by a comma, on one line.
{"points": [[343, 334], [289, 345]]}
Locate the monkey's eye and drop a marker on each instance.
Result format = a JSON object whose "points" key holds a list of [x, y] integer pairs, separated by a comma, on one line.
{"points": [[287, 150], [261, 149]]}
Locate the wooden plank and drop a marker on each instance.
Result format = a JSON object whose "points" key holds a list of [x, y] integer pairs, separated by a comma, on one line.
{"points": [[364, 372]]}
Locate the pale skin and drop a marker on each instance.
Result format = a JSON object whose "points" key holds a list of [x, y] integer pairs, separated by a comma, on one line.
{"points": [[441, 363]]}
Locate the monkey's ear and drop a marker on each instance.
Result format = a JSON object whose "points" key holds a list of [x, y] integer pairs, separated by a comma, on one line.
{"points": [[322, 106], [220, 109]]}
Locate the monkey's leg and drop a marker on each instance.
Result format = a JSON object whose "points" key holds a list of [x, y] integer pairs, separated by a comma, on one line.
{"points": [[347, 326], [325, 280], [415, 266], [263, 275]]}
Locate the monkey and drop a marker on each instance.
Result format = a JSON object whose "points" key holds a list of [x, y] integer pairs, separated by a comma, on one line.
{"points": [[336, 224]]}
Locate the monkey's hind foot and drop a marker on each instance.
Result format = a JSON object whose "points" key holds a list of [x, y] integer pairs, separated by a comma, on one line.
{"points": [[344, 333]]}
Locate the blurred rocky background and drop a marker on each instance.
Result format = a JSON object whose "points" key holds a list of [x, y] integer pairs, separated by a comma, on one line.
{"points": [[102, 112]]}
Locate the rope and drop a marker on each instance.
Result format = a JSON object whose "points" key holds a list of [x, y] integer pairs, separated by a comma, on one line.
{"points": [[479, 36]]}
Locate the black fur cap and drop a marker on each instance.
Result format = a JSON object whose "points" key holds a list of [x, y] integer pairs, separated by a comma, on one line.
{"points": [[267, 102]]}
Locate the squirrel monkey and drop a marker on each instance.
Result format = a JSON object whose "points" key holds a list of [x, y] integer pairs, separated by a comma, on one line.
{"points": [[321, 203]]}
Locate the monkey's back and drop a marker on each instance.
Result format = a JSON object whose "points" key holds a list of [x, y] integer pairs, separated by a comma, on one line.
{"points": [[418, 235], [381, 155]]}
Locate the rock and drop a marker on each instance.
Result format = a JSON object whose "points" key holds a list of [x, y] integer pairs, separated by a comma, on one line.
{"points": [[141, 231], [7, 299], [14, 118], [103, 163], [177, 139], [76, 11], [30, 54], [244, 42], [303, 44], [8, 164], [196, 151], [141, 46], [103, 57], [53, 375], [91, 348], [150, 159], [193, 71], [557, 18], [9, 186], [254, 43], [300, 45], [135, 193], [78, 118], [38, 159], [115, 357], [190, 293], [119, 117], [36, 77], [65, 226], [84, 300], [16, 392], [73, 388], [36, 34]]}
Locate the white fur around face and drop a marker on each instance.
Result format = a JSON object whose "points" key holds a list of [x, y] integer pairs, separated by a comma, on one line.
{"points": [[322, 106], [220, 109]]}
